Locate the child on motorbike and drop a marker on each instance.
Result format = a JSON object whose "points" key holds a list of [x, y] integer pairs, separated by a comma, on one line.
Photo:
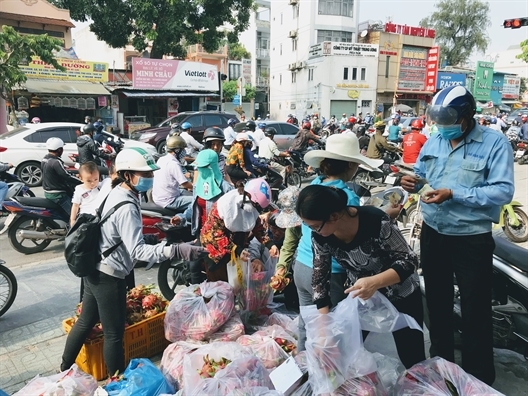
{"points": [[85, 196]]}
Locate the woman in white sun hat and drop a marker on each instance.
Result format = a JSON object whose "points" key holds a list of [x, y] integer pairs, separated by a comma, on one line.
{"points": [[338, 163]]}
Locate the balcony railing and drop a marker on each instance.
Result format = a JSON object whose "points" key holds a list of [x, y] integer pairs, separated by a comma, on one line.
{"points": [[262, 53], [262, 81], [198, 49]]}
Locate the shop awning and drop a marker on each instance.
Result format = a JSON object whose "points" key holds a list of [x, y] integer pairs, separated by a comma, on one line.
{"points": [[65, 87], [165, 94]]}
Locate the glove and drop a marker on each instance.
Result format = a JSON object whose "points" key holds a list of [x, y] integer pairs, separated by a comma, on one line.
{"points": [[188, 252]]}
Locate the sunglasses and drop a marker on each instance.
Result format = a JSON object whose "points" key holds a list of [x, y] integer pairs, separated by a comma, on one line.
{"points": [[318, 230]]}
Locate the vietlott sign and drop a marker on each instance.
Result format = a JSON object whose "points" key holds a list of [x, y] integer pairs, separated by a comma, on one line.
{"points": [[483, 81]]}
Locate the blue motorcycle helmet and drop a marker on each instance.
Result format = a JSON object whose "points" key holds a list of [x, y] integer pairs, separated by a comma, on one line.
{"points": [[261, 125], [450, 105], [186, 126]]}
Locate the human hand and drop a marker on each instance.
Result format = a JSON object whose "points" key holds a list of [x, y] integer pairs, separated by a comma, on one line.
{"points": [[10, 165], [408, 183], [274, 251], [279, 281], [188, 175], [393, 210], [244, 255], [363, 288], [257, 265], [175, 221], [189, 252], [437, 196], [247, 172]]}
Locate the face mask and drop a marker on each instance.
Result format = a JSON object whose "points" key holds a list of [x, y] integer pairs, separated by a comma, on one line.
{"points": [[450, 132], [144, 183]]}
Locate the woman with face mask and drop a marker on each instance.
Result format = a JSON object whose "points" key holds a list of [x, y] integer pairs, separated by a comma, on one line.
{"points": [[105, 290]]}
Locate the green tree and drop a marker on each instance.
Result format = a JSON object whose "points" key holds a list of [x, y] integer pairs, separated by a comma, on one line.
{"points": [[524, 54], [168, 26], [236, 51], [230, 90], [16, 49], [461, 28]]}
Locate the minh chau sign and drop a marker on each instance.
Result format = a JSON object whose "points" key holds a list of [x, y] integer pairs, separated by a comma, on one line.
{"points": [[167, 74]]}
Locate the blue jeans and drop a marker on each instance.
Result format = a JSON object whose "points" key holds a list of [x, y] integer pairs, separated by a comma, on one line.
{"points": [[3, 191], [181, 203]]}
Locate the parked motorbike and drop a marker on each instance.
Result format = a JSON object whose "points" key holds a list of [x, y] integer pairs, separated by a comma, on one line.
{"points": [[33, 223], [385, 176], [8, 288], [16, 188], [513, 137], [514, 222], [521, 155]]}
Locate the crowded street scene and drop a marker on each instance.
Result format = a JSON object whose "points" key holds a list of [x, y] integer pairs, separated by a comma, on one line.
{"points": [[263, 198]]}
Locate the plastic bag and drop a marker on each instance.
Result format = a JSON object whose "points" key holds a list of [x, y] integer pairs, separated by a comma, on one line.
{"points": [[281, 337], [72, 382], [377, 314], [141, 378], [172, 362], [245, 372], [256, 291], [284, 321], [194, 362], [440, 377], [235, 275], [265, 348], [255, 391], [367, 385], [388, 369], [230, 331], [198, 311]]}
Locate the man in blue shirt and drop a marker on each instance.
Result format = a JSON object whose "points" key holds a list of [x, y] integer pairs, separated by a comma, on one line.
{"points": [[469, 169], [394, 130], [523, 132]]}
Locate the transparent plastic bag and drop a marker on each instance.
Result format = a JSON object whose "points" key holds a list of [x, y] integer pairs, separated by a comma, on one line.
{"points": [[367, 385], [256, 291], [287, 342], [388, 369], [172, 362], [265, 348], [198, 311], [235, 275], [245, 372], [255, 391], [230, 331], [71, 382], [141, 378], [286, 322], [194, 363], [440, 377]]}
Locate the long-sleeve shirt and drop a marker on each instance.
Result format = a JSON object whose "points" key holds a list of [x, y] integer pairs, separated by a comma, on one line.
{"points": [[125, 225], [230, 136], [523, 132], [251, 162], [235, 157], [378, 246], [479, 171], [292, 236], [4, 166], [378, 143]]}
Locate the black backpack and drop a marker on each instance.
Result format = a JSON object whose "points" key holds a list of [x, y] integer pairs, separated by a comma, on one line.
{"points": [[82, 241]]}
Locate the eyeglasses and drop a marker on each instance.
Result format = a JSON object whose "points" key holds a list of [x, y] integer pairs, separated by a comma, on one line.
{"points": [[318, 230]]}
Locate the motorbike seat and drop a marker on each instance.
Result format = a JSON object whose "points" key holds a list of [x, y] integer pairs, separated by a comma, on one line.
{"points": [[511, 253], [38, 202], [151, 206]]}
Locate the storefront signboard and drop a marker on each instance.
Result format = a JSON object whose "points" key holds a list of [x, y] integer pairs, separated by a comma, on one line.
{"points": [[76, 70], [413, 69], [511, 87], [446, 79], [166, 74], [483, 81], [432, 69]]}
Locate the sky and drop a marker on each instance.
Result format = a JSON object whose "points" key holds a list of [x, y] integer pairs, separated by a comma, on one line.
{"points": [[410, 12]]}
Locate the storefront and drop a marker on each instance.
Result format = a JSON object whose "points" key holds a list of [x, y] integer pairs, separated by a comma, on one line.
{"points": [[69, 96]]}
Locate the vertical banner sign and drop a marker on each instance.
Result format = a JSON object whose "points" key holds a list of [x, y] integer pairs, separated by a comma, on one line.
{"points": [[483, 81], [413, 69], [432, 69]]}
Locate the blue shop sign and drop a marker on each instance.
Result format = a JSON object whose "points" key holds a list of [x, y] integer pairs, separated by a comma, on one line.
{"points": [[496, 88], [446, 79]]}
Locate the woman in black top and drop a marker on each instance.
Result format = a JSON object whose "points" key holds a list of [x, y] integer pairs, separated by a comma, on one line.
{"points": [[375, 255]]}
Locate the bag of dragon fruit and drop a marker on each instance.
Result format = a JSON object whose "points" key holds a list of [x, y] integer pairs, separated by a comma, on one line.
{"points": [[172, 362], [243, 373], [198, 311], [286, 322], [230, 331], [255, 391], [256, 292], [281, 337], [367, 385], [209, 359], [440, 377], [265, 348]]}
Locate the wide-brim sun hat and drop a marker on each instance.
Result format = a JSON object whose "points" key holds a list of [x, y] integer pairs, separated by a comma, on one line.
{"points": [[343, 147]]}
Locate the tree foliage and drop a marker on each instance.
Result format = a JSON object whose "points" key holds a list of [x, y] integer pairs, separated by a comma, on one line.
{"points": [[168, 25], [230, 90], [524, 54], [461, 28], [16, 49], [236, 51]]}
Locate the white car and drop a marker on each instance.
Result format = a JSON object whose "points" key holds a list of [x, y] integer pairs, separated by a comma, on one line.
{"points": [[25, 147]]}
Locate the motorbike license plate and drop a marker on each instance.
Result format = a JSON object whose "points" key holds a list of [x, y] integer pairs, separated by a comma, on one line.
{"points": [[519, 153], [390, 180]]}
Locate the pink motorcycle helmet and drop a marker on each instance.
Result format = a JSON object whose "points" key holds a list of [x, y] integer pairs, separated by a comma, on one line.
{"points": [[259, 192]]}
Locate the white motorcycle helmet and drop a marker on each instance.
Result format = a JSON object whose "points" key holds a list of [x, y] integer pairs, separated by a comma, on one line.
{"points": [[135, 159], [54, 143]]}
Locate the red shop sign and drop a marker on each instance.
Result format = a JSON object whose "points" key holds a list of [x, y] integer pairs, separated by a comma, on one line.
{"points": [[432, 69]]}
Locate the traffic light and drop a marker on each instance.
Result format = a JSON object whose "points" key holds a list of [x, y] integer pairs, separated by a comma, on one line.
{"points": [[515, 23]]}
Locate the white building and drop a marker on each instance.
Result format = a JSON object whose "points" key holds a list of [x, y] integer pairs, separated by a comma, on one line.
{"points": [[329, 82], [507, 62]]}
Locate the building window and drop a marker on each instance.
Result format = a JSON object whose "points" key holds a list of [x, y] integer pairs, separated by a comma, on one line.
{"points": [[345, 73], [295, 11], [336, 7], [294, 77], [280, 79], [280, 49], [281, 18], [334, 35], [387, 64], [363, 74], [354, 73], [294, 44], [235, 71], [310, 74]]}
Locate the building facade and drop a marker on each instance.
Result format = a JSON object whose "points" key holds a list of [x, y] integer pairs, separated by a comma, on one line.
{"points": [[300, 83], [508, 62]]}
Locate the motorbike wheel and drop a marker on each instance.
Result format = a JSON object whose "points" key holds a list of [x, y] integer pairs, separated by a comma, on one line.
{"points": [[25, 223], [361, 177], [294, 179], [171, 274], [8, 289], [519, 233]]}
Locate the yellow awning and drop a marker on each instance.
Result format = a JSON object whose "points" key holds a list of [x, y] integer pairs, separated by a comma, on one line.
{"points": [[64, 87]]}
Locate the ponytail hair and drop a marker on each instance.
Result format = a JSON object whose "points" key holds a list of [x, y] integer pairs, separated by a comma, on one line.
{"points": [[318, 202], [120, 178]]}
